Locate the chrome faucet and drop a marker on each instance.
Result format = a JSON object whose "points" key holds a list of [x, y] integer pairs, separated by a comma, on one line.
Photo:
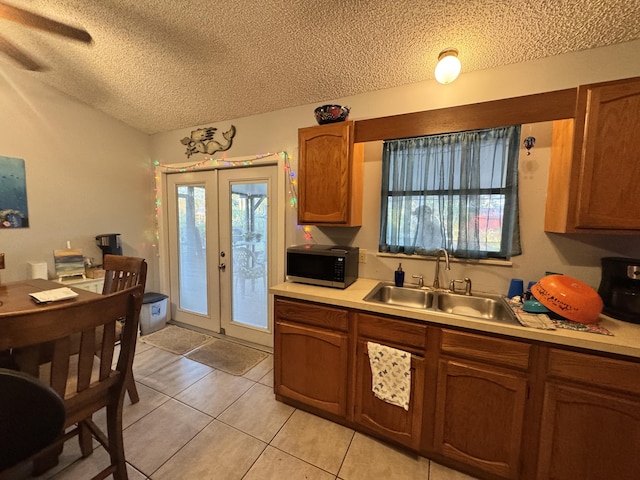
{"points": [[420, 280], [436, 280]]}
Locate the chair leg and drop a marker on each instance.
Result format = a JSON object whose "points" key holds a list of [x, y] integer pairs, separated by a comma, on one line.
{"points": [[85, 440], [116, 442], [132, 390]]}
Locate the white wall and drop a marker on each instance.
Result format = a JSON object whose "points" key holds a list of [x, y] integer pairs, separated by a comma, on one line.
{"points": [[575, 255], [87, 174]]}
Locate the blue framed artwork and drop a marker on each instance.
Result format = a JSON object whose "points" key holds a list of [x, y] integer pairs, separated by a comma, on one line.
{"points": [[13, 193]]}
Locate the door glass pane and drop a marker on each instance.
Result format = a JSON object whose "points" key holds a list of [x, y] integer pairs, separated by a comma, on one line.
{"points": [[192, 251], [249, 262]]}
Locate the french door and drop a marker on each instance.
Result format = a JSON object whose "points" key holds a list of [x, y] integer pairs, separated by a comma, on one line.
{"points": [[221, 228]]}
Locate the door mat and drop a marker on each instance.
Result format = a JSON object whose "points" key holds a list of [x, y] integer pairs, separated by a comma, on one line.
{"points": [[176, 339], [229, 357]]}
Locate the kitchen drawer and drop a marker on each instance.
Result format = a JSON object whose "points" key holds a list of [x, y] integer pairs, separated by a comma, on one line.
{"points": [[488, 349], [392, 332], [594, 370], [312, 314]]}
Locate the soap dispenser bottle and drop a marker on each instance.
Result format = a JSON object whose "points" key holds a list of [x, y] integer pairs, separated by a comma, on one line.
{"points": [[399, 277]]}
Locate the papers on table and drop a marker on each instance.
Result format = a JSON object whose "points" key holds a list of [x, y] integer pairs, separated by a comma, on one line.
{"points": [[53, 295]]}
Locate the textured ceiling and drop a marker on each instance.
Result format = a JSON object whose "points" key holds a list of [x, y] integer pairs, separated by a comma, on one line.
{"points": [[161, 65]]}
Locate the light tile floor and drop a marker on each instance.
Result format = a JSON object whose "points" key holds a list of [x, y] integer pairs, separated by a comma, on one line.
{"points": [[196, 423]]}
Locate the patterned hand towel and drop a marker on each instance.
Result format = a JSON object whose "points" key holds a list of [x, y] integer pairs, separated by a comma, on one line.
{"points": [[391, 374]]}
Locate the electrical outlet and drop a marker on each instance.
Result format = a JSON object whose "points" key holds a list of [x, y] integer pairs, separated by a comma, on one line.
{"points": [[363, 256]]}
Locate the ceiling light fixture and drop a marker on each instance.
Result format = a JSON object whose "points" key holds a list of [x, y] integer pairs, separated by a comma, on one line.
{"points": [[448, 67]]}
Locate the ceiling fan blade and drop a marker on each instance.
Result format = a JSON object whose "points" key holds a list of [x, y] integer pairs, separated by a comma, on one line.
{"points": [[34, 20], [18, 55]]}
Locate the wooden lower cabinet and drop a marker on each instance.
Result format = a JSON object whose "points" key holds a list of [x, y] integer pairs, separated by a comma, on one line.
{"points": [[391, 421], [496, 407], [590, 426], [313, 367], [311, 362], [479, 416], [588, 435], [373, 414]]}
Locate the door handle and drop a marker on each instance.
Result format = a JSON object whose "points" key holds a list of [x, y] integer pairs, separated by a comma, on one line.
{"points": [[222, 267]]}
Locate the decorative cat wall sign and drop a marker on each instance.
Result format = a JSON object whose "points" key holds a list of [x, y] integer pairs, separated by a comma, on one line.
{"points": [[202, 141]]}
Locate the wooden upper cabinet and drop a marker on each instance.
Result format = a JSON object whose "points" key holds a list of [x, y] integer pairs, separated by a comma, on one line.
{"points": [[330, 169], [594, 177]]}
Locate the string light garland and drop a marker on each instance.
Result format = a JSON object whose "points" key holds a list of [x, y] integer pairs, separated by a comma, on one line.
{"points": [[291, 180], [307, 234], [217, 162], [293, 193], [235, 162]]}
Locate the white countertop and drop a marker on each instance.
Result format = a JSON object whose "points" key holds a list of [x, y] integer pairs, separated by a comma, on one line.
{"points": [[625, 339]]}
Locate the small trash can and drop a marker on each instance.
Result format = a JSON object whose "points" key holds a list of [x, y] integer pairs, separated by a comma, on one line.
{"points": [[153, 315]]}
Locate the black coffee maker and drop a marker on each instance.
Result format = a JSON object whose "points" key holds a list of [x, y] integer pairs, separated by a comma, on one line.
{"points": [[620, 288], [109, 243]]}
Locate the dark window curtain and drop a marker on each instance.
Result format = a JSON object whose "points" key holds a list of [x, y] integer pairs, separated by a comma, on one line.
{"points": [[456, 191]]}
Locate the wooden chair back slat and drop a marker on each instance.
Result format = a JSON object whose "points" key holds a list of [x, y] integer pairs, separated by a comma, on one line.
{"points": [[59, 369], [86, 357], [107, 349]]}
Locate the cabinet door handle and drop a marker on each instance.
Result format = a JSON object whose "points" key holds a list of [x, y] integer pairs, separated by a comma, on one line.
{"points": [[222, 267]]}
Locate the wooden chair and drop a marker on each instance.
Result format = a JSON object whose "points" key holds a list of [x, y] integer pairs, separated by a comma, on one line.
{"points": [[86, 381], [121, 273], [31, 418]]}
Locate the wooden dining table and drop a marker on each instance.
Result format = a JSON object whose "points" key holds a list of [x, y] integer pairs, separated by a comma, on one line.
{"points": [[14, 296]]}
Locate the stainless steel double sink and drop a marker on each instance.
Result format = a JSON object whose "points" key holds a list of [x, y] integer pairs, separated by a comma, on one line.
{"points": [[480, 306]]}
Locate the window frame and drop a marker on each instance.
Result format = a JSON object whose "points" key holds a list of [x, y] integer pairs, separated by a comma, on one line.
{"points": [[507, 187]]}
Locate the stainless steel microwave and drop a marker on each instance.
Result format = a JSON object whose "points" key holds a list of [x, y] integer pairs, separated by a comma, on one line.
{"points": [[324, 265]]}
